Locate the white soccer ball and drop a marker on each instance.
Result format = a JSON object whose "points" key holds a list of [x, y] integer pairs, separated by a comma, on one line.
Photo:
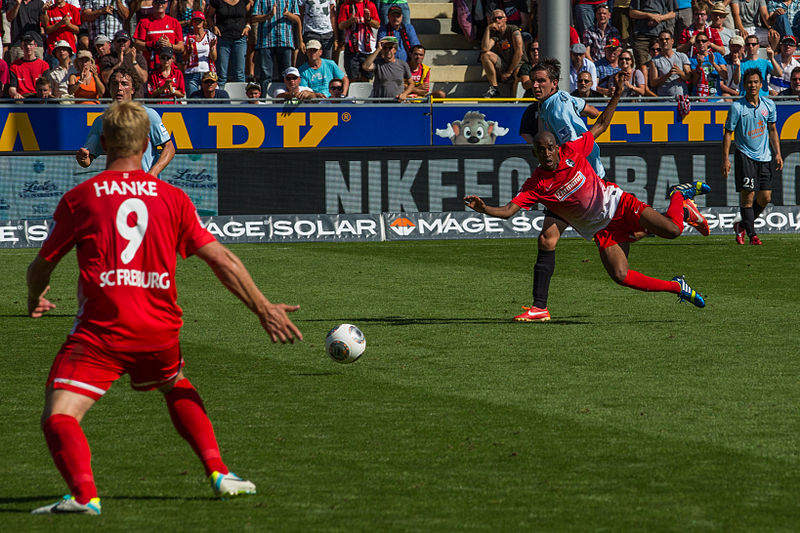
{"points": [[345, 343]]}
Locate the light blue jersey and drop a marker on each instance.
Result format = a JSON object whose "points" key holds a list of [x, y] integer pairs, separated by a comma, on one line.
{"points": [[158, 136], [561, 114], [318, 79], [749, 126]]}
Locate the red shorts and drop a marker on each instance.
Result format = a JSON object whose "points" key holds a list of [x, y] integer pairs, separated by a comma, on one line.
{"points": [[624, 224], [90, 370]]}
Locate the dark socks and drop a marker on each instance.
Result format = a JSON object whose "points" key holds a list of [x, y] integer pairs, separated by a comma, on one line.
{"points": [[748, 218], [542, 272]]}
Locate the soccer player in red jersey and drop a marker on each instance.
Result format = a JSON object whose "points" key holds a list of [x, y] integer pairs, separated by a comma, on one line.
{"points": [[566, 184], [128, 227]]}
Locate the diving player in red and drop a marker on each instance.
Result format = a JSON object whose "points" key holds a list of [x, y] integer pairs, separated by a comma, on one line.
{"points": [[127, 227], [566, 184]]}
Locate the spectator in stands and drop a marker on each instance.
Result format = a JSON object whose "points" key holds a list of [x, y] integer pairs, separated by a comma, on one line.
{"points": [[275, 43], [319, 24], [357, 19], [123, 53], [584, 86], [649, 18], [105, 17], [44, 91], [140, 9], [392, 75], [578, 64], [209, 88], [783, 15], [730, 85], [683, 16], [794, 87], [746, 17], [584, 14], [635, 81], [421, 74], [384, 6], [27, 69], [501, 53], [200, 52], [607, 67], [404, 31], [292, 92], [102, 47], [788, 65], [85, 83], [765, 66], [183, 11], [4, 76], [655, 51], [83, 39], [596, 37], [61, 22], [621, 19], [167, 80], [317, 72], [466, 20], [336, 88], [25, 19], [718, 14], [525, 69], [708, 68], [59, 76], [156, 32], [700, 26], [253, 92], [669, 72]]}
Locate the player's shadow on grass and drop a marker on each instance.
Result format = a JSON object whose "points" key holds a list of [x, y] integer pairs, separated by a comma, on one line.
{"points": [[53, 315], [431, 321]]}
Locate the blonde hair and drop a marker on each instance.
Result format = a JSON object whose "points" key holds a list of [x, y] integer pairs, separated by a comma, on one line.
{"points": [[125, 128]]}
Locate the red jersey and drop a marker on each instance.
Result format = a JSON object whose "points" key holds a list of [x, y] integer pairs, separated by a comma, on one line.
{"points": [[26, 73], [150, 30], [157, 80], [55, 14], [573, 191], [127, 228]]}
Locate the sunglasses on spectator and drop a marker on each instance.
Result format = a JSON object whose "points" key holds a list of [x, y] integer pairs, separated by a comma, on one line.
{"points": [[626, 59], [209, 82], [337, 88], [701, 41], [292, 77], [584, 81], [751, 44], [655, 49]]}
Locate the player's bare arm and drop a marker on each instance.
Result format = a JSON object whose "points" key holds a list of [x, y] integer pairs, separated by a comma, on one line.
{"points": [[590, 111], [38, 279], [604, 120], [476, 203], [233, 274], [726, 150], [775, 144], [167, 153]]}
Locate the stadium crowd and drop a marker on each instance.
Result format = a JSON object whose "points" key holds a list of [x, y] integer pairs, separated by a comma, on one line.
{"points": [[291, 50]]}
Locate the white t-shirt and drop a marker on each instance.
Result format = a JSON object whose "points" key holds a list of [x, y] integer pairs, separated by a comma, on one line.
{"points": [[203, 49], [317, 15], [280, 90]]}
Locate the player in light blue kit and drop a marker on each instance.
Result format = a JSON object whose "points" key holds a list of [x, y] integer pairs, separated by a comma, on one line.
{"points": [[561, 114], [752, 120], [123, 84]]}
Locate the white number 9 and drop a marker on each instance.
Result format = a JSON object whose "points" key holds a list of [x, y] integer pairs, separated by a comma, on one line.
{"points": [[133, 234]]}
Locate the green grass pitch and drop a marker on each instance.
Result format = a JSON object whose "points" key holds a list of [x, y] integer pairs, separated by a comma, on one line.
{"points": [[628, 411]]}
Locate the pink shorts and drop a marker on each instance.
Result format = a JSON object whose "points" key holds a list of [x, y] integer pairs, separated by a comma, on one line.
{"points": [[624, 224], [90, 370]]}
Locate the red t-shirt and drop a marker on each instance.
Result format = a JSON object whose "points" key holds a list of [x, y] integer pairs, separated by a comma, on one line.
{"points": [[26, 73], [573, 191], [150, 30], [127, 228], [156, 80], [56, 14]]}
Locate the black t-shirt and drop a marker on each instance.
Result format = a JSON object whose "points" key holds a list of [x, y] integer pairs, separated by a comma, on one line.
{"points": [[27, 19], [231, 19]]}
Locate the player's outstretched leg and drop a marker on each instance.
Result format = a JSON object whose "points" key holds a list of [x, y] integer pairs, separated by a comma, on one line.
{"points": [[688, 294], [689, 190], [69, 505]]}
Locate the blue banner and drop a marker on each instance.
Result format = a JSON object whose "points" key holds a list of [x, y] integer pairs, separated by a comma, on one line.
{"points": [[34, 128]]}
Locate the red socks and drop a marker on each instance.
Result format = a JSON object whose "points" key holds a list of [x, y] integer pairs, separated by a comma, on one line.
{"points": [[675, 210], [71, 454], [190, 419], [640, 282]]}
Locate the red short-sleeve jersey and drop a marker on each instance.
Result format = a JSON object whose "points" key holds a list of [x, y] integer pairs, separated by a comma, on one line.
{"points": [[573, 191], [56, 14], [150, 30], [127, 228], [156, 80], [26, 74]]}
